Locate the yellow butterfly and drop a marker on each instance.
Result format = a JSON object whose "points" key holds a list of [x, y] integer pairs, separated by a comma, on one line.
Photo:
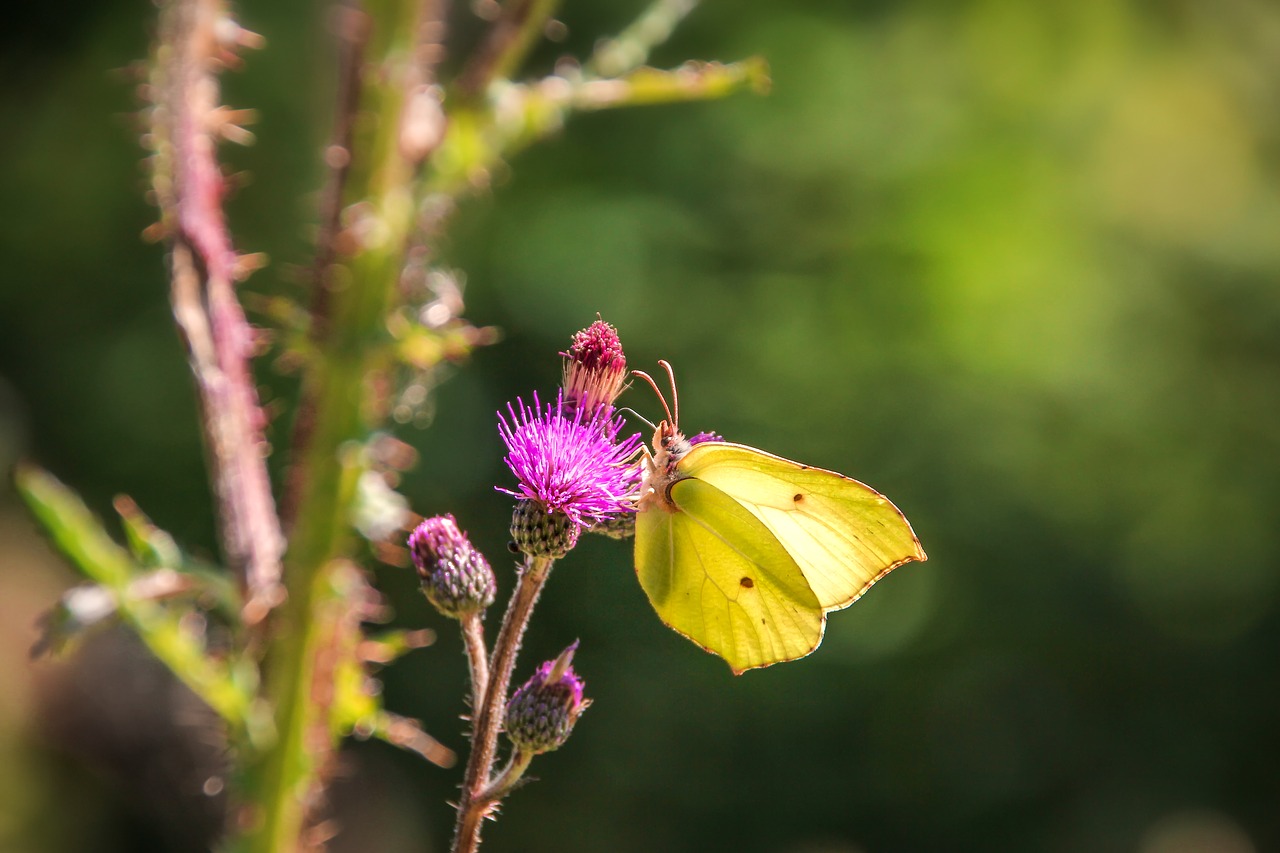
{"points": [[744, 552]]}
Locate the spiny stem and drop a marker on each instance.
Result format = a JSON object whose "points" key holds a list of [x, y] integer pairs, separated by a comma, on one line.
{"points": [[189, 187], [352, 33], [338, 411], [507, 44], [488, 720]]}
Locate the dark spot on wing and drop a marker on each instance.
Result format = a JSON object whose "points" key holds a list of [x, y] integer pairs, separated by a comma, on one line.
{"points": [[761, 621], [798, 498], [747, 583]]}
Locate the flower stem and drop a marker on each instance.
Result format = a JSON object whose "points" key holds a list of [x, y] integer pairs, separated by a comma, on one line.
{"points": [[500, 787], [478, 794], [477, 657]]}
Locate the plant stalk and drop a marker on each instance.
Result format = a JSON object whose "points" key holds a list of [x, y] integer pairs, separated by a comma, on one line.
{"points": [[477, 799]]}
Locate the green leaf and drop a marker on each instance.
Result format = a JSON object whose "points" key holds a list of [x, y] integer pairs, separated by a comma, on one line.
{"points": [[80, 536]]}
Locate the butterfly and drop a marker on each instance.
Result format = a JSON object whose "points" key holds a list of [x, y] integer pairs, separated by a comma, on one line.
{"points": [[745, 553]]}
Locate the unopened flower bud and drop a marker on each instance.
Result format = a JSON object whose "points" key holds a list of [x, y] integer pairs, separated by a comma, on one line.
{"points": [[540, 533], [542, 713], [456, 578], [622, 526], [595, 368]]}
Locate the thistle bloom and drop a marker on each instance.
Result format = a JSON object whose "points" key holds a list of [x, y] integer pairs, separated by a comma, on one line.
{"points": [[542, 713], [595, 369], [571, 463], [456, 578]]}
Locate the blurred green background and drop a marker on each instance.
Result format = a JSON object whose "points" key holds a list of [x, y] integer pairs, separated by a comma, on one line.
{"points": [[1014, 264]]}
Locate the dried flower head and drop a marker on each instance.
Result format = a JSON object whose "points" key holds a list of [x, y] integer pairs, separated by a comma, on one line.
{"points": [[569, 462], [456, 578], [595, 368], [542, 713]]}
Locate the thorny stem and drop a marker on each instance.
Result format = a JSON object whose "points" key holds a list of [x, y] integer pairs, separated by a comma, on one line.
{"points": [[339, 409], [352, 34], [189, 187], [389, 188], [478, 794], [407, 733], [506, 45]]}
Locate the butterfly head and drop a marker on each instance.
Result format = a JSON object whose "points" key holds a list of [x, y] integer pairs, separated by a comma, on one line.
{"points": [[669, 442], [669, 447]]}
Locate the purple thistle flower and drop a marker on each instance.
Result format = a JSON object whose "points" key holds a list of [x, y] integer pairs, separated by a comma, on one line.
{"points": [[569, 462], [456, 578], [704, 436]]}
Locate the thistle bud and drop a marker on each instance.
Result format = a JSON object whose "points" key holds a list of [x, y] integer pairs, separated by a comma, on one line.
{"points": [[456, 578], [621, 526], [539, 532], [595, 368], [542, 713]]}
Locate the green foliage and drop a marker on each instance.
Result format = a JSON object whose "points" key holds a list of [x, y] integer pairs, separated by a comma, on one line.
{"points": [[1013, 263]]}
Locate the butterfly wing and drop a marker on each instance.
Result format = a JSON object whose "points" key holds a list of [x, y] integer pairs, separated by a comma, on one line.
{"points": [[716, 574], [842, 534]]}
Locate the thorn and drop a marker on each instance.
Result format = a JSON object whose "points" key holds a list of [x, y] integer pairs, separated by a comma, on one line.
{"points": [[133, 71], [246, 265], [241, 116], [263, 339], [231, 35], [233, 182], [419, 639], [486, 10], [155, 232], [290, 362], [236, 134], [319, 835], [390, 554], [229, 124], [274, 409], [391, 452]]}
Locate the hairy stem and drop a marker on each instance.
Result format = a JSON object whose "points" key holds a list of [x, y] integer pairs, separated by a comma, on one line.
{"points": [[476, 800], [510, 775], [477, 657]]}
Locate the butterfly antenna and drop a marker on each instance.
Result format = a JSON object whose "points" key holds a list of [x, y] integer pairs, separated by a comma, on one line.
{"points": [[654, 385], [639, 416], [675, 398]]}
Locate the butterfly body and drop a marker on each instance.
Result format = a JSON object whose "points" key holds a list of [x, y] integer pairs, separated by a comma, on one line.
{"points": [[744, 552]]}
